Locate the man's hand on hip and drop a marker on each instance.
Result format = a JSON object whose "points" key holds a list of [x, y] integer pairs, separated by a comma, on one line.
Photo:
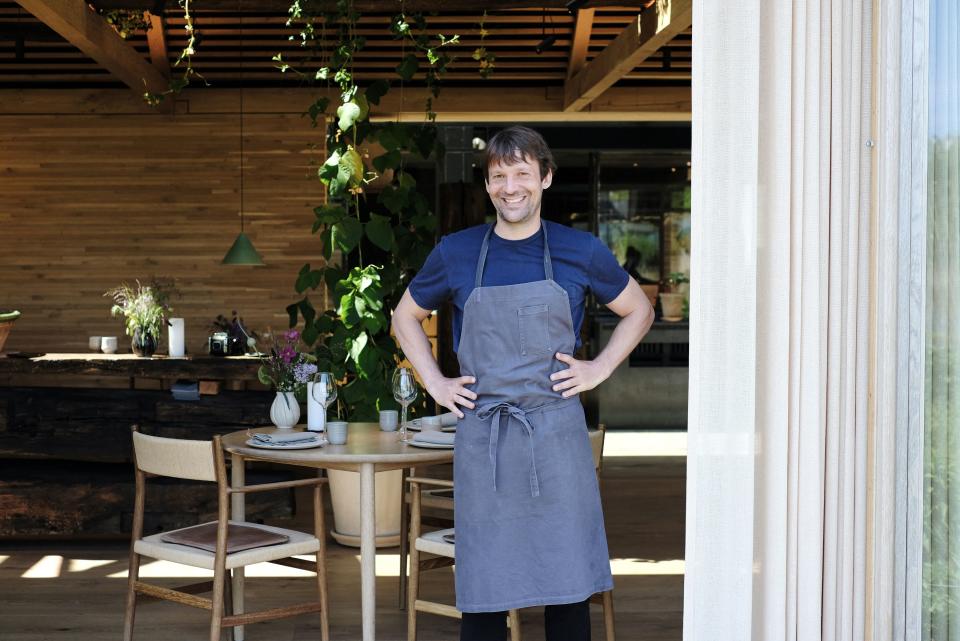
{"points": [[579, 376], [451, 392]]}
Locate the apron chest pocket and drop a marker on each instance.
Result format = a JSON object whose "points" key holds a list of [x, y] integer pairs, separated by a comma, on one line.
{"points": [[534, 329]]}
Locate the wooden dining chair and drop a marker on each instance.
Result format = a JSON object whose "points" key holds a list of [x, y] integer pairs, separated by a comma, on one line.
{"points": [[221, 545], [442, 552]]}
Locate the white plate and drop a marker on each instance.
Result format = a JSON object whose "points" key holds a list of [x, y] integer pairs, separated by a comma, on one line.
{"points": [[280, 446], [431, 446]]}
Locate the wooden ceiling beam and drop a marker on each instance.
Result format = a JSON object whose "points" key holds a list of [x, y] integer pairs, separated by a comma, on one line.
{"points": [[91, 34], [447, 6], [651, 30], [581, 41], [157, 40]]}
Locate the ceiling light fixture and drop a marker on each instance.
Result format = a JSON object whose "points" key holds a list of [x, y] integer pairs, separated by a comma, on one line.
{"points": [[242, 251], [573, 5], [548, 41]]}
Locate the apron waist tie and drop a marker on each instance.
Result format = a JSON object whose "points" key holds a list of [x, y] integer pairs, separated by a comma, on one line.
{"points": [[495, 410]]}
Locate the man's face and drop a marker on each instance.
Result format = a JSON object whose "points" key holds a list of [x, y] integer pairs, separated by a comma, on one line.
{"points": [[516, 190]]}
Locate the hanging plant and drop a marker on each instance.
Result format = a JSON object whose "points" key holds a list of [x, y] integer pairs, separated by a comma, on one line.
{"points": [[352, 339], [177, 84], [126, 21]]}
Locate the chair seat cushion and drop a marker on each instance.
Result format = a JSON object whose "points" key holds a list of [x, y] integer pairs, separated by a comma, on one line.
{"points": [[154, 546], [239, 537], [434, 543]]}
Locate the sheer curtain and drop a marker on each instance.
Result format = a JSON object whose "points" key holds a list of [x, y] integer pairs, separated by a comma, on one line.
{"points": [[941, 534]]}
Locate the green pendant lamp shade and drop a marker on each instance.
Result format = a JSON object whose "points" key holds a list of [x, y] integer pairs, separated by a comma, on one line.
{"points": [[242, 252]]}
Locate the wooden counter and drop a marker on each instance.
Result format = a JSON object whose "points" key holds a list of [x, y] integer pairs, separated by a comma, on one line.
{"points": [[65, 444], [190, 367]]}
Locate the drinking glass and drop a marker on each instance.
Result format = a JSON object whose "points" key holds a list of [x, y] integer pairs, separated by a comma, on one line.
{"points": [[404, 392], [324, 392]]}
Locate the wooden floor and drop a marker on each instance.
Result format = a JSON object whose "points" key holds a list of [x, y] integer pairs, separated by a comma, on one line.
{"points": [[75, 591]]}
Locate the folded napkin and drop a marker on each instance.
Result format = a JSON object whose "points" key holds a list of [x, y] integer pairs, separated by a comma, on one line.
{"points": [[435, 438], [284, 439], [446, 420]]}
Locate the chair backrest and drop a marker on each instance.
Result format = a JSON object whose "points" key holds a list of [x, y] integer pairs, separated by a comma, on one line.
{"points": [[177, 458]]}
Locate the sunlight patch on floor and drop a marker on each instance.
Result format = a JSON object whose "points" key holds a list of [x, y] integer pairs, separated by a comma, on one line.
{"points": [[83, 565], [645, 567], [48, 567], [167, 570], [644, 444]]}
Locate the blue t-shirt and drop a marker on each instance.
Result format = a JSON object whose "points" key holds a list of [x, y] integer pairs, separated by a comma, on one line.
{"points": [[580, 261]]}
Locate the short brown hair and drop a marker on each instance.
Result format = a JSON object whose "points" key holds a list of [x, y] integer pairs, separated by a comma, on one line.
{"points": [[507, 144]]}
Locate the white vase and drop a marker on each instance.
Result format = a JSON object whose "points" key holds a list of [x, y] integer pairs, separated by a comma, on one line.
{"points": [[285, 411]]}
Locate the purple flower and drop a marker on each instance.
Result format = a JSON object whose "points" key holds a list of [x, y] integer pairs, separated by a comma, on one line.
{"points": [[291, 335], [303, 372], [287, 353]]}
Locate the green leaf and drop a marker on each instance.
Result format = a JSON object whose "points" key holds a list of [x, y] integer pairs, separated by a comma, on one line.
{"points": [[329, 214], [264, 377], [310, 334], [380, 232], [361, 101], [351, 167], [377, 90], [393, 198], [425, 141], [407, 181], [346, 234], [348, 114], [357, 346], [292, 313], [389, 160], [326, 243], [408, 67], [307, 311]]}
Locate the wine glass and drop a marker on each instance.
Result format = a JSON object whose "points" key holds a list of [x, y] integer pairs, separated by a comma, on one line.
{"points": [[404, 392], [324, 392]]}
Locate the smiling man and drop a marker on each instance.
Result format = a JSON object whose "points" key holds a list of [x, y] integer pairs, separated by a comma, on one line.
{"points": [[528, 517]]}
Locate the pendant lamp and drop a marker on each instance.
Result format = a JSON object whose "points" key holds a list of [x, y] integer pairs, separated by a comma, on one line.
{"points": [[242, 251]]}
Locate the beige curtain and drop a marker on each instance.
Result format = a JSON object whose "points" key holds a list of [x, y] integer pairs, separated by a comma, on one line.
{"points": [[941, 531], [778, 410]]}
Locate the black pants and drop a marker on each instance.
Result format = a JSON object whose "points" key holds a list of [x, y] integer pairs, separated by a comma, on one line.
{"points": [[567, 622]]}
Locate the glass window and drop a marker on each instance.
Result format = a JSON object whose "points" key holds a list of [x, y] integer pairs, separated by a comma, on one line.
{"points": [[941, 489]]}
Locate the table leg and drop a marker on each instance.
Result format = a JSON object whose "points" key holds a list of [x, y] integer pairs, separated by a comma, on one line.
{"points": [[368, 551], [238, 510]]}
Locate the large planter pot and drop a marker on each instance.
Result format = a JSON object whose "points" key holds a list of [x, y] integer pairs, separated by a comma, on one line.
{"points": [[672, 306], [143, 344], [285, 411], [345, 496]]}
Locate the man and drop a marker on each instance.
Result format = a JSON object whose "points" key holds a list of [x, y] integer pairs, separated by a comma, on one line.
{"points": [[529, 525]]}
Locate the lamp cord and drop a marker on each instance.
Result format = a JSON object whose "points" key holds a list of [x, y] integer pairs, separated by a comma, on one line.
{"points": [[240, 17]]}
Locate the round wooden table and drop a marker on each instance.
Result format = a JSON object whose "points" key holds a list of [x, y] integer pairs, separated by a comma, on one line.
{"points": [[368, 450]]}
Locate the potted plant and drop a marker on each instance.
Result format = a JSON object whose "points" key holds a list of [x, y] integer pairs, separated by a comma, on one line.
{"points": [[145, 309], [286, 370], [671, 298]]}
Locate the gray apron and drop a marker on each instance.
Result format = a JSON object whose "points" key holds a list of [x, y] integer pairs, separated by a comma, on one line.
{"points": [[527, 511]]}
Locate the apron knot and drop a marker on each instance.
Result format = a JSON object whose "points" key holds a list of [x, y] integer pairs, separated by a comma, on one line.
{"points": [[495, 411]]}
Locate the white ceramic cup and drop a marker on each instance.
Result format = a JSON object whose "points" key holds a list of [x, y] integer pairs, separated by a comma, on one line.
{"points": [[108, 344], [94, 343], [388, 420], [337, 432], [430, 424]]}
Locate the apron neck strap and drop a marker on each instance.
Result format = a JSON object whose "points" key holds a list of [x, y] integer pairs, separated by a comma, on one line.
{"points": [[482, 261]]}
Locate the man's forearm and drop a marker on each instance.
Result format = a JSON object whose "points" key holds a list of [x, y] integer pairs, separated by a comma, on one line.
{"points": [[416, 347], [629, 331]]}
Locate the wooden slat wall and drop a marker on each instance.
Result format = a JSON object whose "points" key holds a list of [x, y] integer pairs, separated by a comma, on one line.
{"points": [[87, 201]]}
